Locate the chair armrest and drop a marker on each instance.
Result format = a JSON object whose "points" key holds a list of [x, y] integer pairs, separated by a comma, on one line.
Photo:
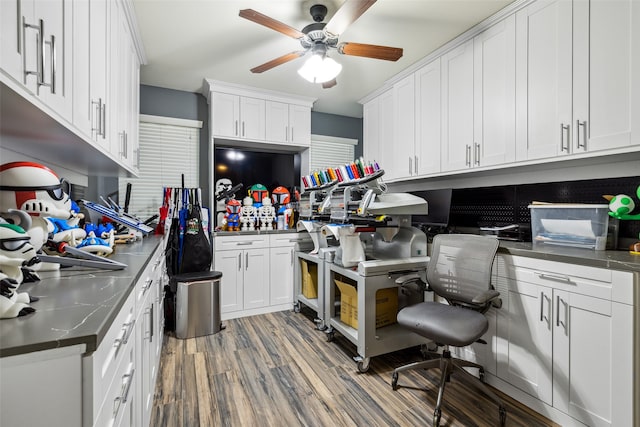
{"points": [[407, 278], [486, 296]]}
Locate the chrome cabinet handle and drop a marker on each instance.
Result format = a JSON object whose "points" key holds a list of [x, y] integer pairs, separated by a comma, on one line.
{"points": [[467, 155], [244, 243], [415, 160], [291, 256], [239, 261], [39, 73], [243, 128], [98, 109], [124, 395], [129, 330], [554, 277], [476, 153], [584, 134], [52, 52], [410, 161], [564, 128], [236, 132], [291, 133], [246, 261], [104, 121], [286, 133], [542, 315]]}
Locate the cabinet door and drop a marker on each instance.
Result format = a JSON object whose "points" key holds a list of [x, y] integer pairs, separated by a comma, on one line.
{"points": [[525, 329], [428, 119], [57, 55], [371, 135], [605, 55], [252, 118], [404, 125], [300, 125], [225, 109], [230, 263], [388, 152], [593, 347], [457, 108], [543, 79], [277, 122], [281, 275], [494, 94], [98, 63], [256, 278], [11, 39]]}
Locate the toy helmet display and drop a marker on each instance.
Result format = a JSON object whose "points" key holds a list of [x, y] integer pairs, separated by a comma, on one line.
{"points": [[258, 192], [280, 196], [233, 206], [32, 184]]}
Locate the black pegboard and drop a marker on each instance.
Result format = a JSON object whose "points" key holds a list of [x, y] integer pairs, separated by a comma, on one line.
{"points": [[503, 205]]}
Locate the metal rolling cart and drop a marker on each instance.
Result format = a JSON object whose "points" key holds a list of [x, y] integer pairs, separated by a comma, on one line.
{"points": [[370, 277], [322, 260]]}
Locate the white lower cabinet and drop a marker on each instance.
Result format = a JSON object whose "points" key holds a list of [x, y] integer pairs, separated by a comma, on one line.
{"points": [[565, 337], [257, 272]]}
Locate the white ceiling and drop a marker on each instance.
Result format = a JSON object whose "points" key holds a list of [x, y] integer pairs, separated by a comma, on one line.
{"points": [[186, 41]]}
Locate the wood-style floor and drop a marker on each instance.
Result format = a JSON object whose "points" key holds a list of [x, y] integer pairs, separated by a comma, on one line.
{"points": [[278, 370]]}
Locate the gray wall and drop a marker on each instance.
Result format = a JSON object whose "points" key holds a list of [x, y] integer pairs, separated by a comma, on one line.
{"points": [[340, 126]]}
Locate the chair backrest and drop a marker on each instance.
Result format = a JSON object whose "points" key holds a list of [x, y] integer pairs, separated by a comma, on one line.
{"points": [[460, 266]]}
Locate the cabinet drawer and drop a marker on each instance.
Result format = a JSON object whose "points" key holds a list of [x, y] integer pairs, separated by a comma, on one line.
{"points": [[592, 281], [253, 241], [112, 350], [150, 277], [288, 239], [117, 403]]}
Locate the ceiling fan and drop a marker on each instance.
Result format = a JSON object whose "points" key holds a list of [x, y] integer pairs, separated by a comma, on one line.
{"points": [[319, 38]]}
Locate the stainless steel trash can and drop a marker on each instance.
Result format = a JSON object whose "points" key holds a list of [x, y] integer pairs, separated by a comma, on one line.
{"points": [[197, 303]]}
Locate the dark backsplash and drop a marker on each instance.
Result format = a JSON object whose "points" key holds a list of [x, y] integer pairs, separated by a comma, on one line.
{"points": [[497, 206]]}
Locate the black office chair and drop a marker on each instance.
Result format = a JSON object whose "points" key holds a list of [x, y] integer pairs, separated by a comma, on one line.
{"points": [[459, 271]]}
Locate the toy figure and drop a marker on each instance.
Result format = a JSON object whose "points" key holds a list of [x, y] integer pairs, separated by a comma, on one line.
{"points": [[36, 190], [266, 214], [281, 199], [258, 192], [231, 221], [248, 214], [16, 255], [620, 207], [223, 185]]}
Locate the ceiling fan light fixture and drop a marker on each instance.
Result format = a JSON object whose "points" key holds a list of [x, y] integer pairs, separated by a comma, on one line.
{"points": [[320, 69]]}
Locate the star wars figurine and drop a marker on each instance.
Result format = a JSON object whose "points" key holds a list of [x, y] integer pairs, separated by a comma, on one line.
{"points": [[16, 256], [266, 214], [248, 214], [36, 190], [258, 192], [231, 221]]}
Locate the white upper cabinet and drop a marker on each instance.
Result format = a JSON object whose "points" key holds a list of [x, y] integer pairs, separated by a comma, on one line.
{"points": [[428, 119], [543, 73], [388, 150], [370, 131], [238, 116], [90, 36], [576, 66], [404, 156], [288, 123], [457, 108], [494, 95], [251, 115], [606, 65], [36, 50]]}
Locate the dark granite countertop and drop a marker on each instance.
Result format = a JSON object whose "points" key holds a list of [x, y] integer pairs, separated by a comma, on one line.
{"points": [[77, 305], [614, 260]]}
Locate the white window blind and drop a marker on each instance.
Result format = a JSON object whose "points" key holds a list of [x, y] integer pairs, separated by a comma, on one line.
{"points": [[168, 148], [330, 151]]}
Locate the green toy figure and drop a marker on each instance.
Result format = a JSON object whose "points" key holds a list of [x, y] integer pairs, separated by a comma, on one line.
{"points": [[620, 207]]}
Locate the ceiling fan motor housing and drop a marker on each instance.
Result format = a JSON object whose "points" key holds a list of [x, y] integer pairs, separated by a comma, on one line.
{"points": [[318, 12]]}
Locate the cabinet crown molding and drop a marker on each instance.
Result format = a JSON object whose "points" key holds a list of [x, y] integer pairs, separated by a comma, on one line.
{"points": [[210, 85]]}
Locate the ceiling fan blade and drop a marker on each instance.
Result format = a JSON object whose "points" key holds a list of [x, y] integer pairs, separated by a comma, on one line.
{"points": [[278, 61], [370, 51], [347, 14], [261, 19], [329, 84]]}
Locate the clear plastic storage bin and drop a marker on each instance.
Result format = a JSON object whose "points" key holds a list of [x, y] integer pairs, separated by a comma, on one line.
{"points": [[577, 225]]}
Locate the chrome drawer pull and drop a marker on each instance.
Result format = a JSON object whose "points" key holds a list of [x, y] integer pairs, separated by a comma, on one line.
{"points": [[555, 277]]}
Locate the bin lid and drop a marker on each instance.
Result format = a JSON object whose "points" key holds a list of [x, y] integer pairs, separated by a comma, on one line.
{"points": [[197, 276]]}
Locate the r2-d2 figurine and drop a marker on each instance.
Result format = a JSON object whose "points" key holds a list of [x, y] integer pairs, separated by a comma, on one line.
{"points": [[266, 214], [248, 214]]}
